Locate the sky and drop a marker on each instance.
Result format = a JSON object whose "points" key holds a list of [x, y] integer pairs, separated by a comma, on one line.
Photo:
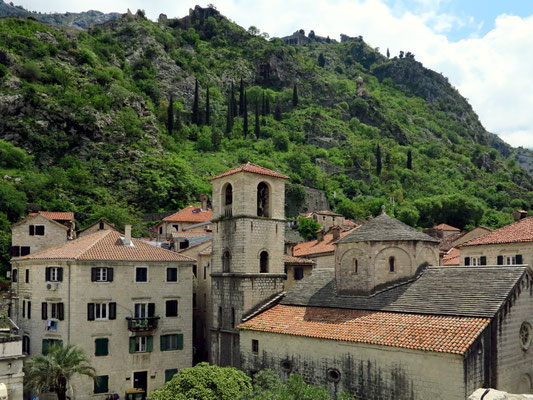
{"points": [[484, 47]]}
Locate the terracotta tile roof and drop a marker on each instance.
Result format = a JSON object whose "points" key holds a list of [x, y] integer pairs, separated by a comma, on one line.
{"points": [[446, 227], [207, 251], [446, 243], [315, 247], [452, 257], [56, 215], [252, 168], [298, 260], [519, 232], [411, 331], [349, 222], [191, 214], [105, 245]]}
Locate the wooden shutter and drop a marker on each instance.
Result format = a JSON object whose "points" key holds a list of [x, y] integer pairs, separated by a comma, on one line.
{"points": [[44, 310], [90, 311], [60, 311], [151, 310], [149, 344], [519, 259], [29, 309], [47, 274], [60, 274], [483, 260], [500, 260], [110, 274], [467, 260], [94, 271], [101, 347], [163, 342], [180, 341], [32, 230], [23, 308], [113, 310], [132, 344]]}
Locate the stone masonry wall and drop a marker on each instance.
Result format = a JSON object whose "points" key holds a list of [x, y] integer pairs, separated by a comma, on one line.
{"points": [[494, 250], [53, 234]]}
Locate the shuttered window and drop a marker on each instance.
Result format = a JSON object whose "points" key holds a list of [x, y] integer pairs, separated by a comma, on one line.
{"points": [[171, 342], [101, 347], [500, 260], [141, 344], [101, 384], [519, 259], [467, 260], [171, 308], [483, 260], [172, 274]]}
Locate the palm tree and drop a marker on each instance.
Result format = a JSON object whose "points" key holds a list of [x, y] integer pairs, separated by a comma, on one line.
{"points": [[56, 368]]}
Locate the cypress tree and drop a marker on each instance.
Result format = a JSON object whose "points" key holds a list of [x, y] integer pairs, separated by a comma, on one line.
{"points": [[207, 116], [234, 111], [378, 160], [388, 53], [321, 60], [277, 113], [245, 116], [294, 96], [178, 121], [267, 105], [241, 99], [409, 159], [170, 115], [229, 116], [263, 105], [215, 137], [257, 129], [195, 110]]}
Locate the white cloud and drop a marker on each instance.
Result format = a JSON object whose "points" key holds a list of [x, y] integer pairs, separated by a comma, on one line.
{"points": [[492, 71]]}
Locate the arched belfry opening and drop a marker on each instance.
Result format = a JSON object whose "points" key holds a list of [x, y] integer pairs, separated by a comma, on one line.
{"points": [[227, 200], [263, 262], [263, 198], [226, 261], [392, 264]]}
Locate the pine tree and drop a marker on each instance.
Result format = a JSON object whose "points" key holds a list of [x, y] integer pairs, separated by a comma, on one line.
{"points": [[378, 160], [321, 60], [241, 99], [409, 159], [170, 116], [277, 113], [195, 110], [207, 116], [294, 96], [245, 116], [257, 129], [215, 137]]}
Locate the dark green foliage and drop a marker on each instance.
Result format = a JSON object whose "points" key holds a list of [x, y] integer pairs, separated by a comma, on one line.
{"points": [[388, 53], [245, 116], [257, 128], [207, 108], [409, 159], [195, 105], [378, 160], [242, 99], [216, 137], [277, 113], [12, 202], [321, 60], [170, 116], [308, 228], [205, 382], [267, 106], [13, 157], [294, 96]]}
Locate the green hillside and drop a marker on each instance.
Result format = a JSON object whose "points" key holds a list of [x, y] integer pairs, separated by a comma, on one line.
{"points": [[85, 115]]}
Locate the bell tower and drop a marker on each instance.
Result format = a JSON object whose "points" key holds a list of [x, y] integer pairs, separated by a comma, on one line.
{"points": [[247, 252]]}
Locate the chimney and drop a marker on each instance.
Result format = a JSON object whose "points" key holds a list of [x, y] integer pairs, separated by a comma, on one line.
{"points": [[127, 235], [519, 214], [336, 230], [204, 198], [320, 235]]}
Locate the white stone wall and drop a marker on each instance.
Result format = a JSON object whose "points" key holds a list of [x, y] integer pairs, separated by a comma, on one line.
{"points": [[76, 291], [11, 363], [492, 251], [367, 371], [54, 234]]}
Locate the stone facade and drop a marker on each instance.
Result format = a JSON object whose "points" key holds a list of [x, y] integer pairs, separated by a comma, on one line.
{"points": [[507, 251], [71, 325], [247, 254], [98, 226], [327, 219], [11, 363], [54, 233]]}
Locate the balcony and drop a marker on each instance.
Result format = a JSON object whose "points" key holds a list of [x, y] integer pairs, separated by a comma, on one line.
{"points": [[228, 210], [142, 324]]}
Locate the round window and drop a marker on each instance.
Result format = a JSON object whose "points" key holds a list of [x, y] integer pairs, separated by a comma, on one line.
{"points": [[333, 375], [286, 366], [526, 332]]}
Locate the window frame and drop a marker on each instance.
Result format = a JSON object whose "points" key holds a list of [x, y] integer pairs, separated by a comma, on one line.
{"points": [[166, 308], [255, 346], [101, 340], [171, 342], [169, 270], [97, 384], [102, 274], [135, 276], [101, 309], [38, 228], [54, 274]]}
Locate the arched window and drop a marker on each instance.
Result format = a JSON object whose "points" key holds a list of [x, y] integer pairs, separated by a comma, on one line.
{"points": [[227, 200], [262, 200], [232, 317], [26, 344], [356, 266], [391, 264], [263, 262], [226, 261]]}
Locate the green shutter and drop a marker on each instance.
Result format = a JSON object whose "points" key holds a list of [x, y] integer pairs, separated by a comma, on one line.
{"points": [[101, 347], [500, 260], [132, 344], [101, 384], [169, 373], [483, 260], [519, 259], [150, 344], [163, 343], [180, 341]]}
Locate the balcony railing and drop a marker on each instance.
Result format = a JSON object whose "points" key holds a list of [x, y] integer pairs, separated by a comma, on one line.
{"points": [[142, 324], [228, 210]]}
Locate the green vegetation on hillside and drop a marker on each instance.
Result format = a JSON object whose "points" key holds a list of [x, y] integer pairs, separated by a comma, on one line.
{"points": [[85, 124]]}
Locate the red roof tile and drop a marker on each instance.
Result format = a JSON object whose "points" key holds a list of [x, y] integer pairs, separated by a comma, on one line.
{"points": [[191, 214], [105, 245], [446, 227], [56, 215], [252, 168], [349, 222], [298, 260], [411, 331], [519, 232], [452, 257], [315, 247]]}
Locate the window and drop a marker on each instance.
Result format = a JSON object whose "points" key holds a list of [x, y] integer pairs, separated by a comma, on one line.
{"points": [[171, 308], [171, 342], [356, 266], [141, 274], [169, 373], [54, 274], [510, 260], [298, 273], [14, 275], [144, 310], [36, 230], [172, 274], [23, 308], [262, 200], [57, 311], [101, 347], [391, 264], [101, 384], [27, 275], [101, 274], [101, 225], [255, 346], [160, 230], [176, 227], [15, 251], [195, 271], [141, 344], [232, 317], [525, 335], [226, 261], [263, 262], [24, 250], [28, 312], [205, 273], [333, 375], [50, 342], [26, 344], [228, 195], [101, 311]]}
